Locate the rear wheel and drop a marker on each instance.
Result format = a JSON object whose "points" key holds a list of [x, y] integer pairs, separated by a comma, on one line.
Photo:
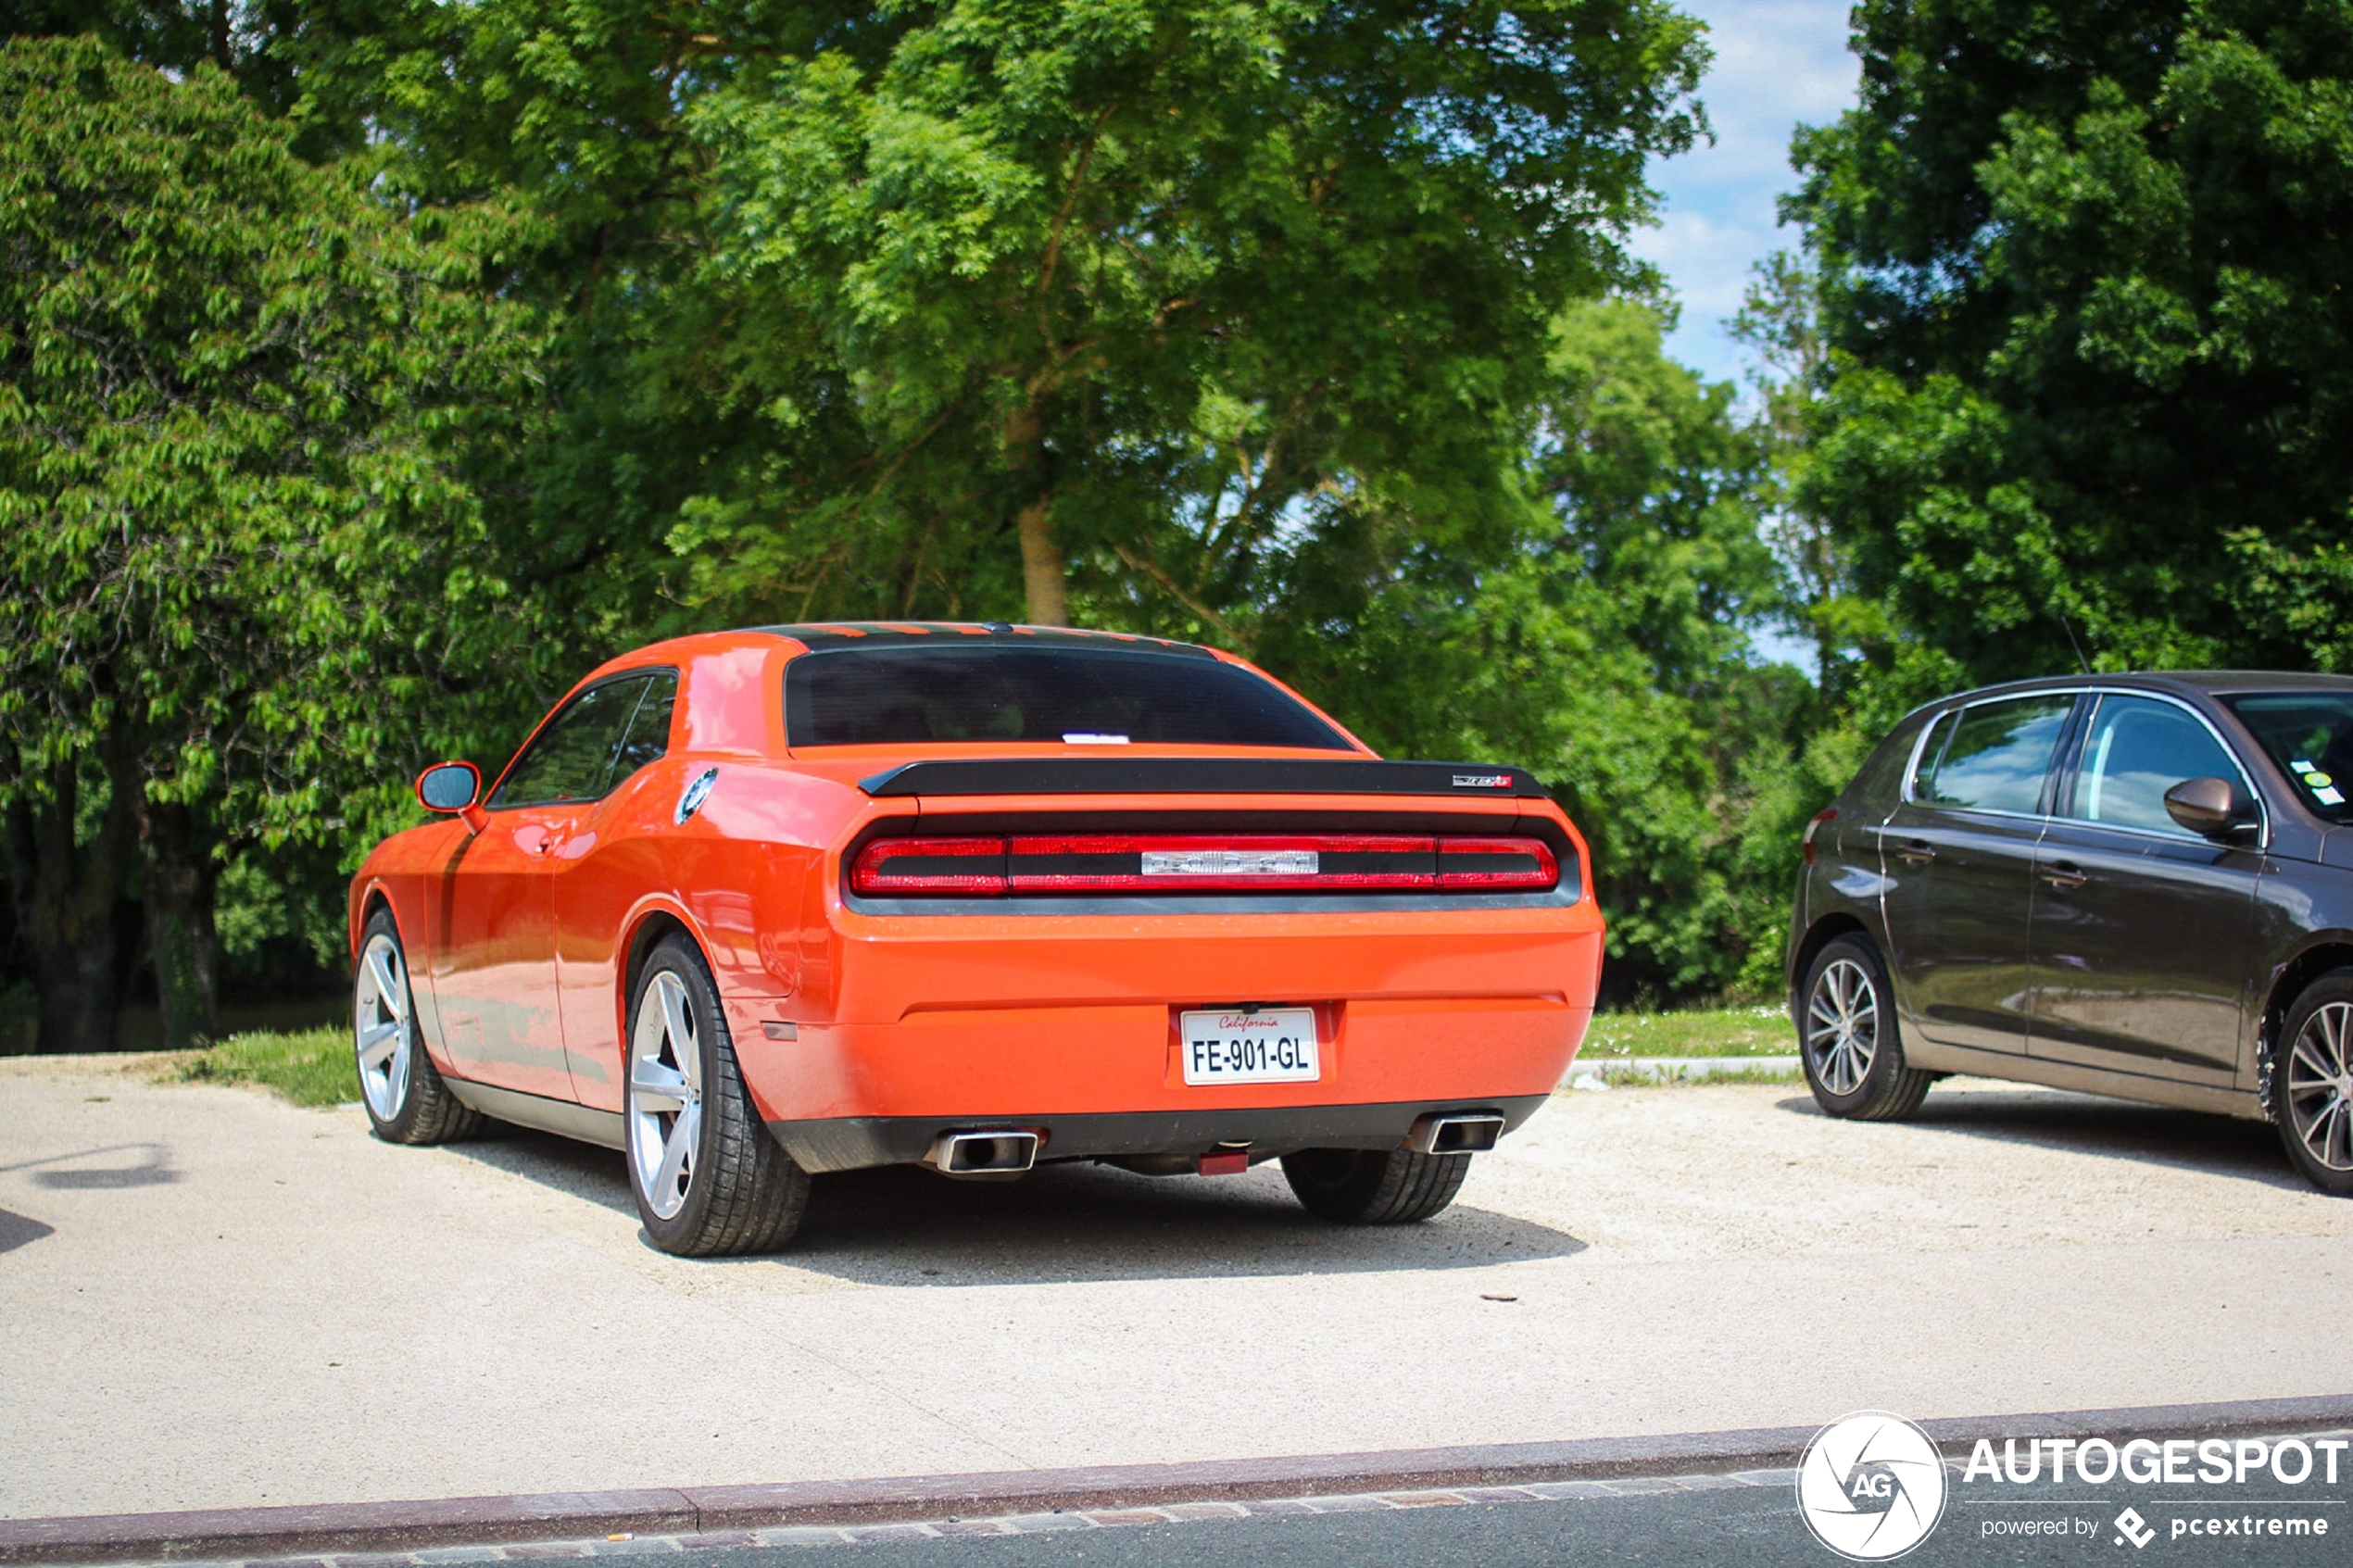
{"points": [[1366, 1186], [709, 1179], [2313, 1083], [1848, 1040], [404, 1094]]}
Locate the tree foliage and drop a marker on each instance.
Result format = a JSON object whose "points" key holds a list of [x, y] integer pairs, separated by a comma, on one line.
{"points": [[235, 503], [2084, 275]]}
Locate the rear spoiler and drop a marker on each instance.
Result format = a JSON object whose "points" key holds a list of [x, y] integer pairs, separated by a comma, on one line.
{"points": [[1198, 775]]}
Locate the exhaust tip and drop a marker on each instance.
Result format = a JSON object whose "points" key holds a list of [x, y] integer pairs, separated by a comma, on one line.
{"points": [[983, 1154], [1464, 1132]]}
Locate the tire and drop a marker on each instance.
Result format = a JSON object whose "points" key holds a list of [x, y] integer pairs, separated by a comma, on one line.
{"points": [[1366, 1186], [709, 1179], [2313, 1083], [404, 1096], [1849, 1040]]}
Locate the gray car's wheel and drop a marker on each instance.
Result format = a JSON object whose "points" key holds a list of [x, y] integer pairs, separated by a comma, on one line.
{"points": [[709, 1179], [1369, 1186], [1848, 1039], [404, 1096], [2313, 1083]]}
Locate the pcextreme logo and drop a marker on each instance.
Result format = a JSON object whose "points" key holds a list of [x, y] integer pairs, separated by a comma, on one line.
{"points": [[1871, 1486]]}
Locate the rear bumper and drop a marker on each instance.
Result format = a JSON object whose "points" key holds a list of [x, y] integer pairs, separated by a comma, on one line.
{"points": [[848, 1143]]}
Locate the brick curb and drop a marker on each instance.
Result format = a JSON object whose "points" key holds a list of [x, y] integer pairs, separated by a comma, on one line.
{"points": [[409, 1527]]}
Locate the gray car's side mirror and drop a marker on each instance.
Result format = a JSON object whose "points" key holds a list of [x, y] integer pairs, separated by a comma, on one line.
{"points": [[2212, 807]]}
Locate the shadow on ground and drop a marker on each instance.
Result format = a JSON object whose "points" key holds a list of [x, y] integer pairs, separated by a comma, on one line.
{"points": [[903, 1226], [2110, 1129]]}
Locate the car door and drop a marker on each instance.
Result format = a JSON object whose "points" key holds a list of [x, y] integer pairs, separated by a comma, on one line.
{"points": [[494, 972], [2143, 929], [1957, 856], [600, 870]]}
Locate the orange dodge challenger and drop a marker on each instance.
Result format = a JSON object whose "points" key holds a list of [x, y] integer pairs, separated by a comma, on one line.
{"points": [[757, 905]]}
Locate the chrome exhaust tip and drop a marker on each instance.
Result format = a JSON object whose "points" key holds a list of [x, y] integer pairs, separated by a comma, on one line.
{"points": [[1006, 1154], [1466, 1132]]}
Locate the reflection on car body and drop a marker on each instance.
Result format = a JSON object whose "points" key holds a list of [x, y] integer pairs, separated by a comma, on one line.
{"points": [[2138, 885], [757, 905]]}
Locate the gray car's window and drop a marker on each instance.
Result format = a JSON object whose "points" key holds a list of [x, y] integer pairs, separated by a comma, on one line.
{"points": [[1999, 755], [1924, 770], [572, 758], [2309, 735], [2135, 751]]}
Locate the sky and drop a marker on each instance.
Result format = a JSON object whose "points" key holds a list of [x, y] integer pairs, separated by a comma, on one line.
{"points": [[1778, 63]]}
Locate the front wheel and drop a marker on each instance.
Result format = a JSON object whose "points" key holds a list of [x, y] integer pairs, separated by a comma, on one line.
{"points": [[2312, 1084], [1848, 1040], [406, 1099], [1368, 1187], [709, 1179]]}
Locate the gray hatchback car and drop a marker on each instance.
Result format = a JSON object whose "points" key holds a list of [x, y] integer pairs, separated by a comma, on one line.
{"points": [[2138, 885]]}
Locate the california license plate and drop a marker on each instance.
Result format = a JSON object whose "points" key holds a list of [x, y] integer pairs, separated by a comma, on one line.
{"points": [[1270, 1046]]}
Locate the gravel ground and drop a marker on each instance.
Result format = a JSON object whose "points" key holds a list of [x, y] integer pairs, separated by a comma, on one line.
{"points": [[208, 1298]]}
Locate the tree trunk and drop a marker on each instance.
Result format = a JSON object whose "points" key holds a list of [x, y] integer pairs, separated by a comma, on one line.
{"points": [[65, 896], [181, 935], [1043, 574]]}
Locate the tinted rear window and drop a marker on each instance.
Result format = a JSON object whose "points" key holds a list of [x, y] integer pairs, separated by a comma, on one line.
{"points": [[2309, 735], [894, 696]]}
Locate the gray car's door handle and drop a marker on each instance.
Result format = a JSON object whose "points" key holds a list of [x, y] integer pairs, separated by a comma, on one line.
{"points": [[1918, 852], [2064, 876]]}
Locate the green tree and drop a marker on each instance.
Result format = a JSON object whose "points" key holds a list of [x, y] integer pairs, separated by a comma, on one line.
{"points": [[1608, 651], [236, 501], [2084, 275]]}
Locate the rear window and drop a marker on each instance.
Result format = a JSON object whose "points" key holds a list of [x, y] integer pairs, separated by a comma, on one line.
{"points": [[2309, 735], [1998, 756], [896, 696]]}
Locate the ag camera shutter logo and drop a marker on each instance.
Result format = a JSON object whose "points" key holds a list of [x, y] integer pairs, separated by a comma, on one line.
{"points": [[1871, 1486]]}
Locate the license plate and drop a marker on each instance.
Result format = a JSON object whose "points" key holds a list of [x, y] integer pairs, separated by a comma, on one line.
{"points": [[1272, 1045]]}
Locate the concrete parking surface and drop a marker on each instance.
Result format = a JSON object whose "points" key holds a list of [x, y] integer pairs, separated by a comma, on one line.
{"points": [[211, 1299]]}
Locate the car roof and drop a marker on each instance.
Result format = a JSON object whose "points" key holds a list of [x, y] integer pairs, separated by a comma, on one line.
{"points": [[966, 634], [2208, 682]]}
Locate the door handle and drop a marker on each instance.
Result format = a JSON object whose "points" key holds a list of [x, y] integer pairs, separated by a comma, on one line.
{"points": [[533, 839], [1918, 852], [2064, 875]]}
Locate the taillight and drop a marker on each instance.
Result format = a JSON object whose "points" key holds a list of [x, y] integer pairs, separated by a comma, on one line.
{"points": [[1331, 862], [1496, 865], [1827, 815], [930, 865]]}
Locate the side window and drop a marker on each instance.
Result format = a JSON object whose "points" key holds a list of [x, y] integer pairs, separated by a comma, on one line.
{"points": [[1919, 786], [2135, 752], [648, 733], [1999, 755], [573, 758]]}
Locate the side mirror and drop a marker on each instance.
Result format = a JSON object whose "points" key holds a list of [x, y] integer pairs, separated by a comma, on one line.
{"points": [[448, 788], [2211, 808]]}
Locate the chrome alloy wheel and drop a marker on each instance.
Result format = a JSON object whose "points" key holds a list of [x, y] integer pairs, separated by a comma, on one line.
{"points": [[665, 1094], [1842, 1026], [2320, 1086], [383, 1033]]}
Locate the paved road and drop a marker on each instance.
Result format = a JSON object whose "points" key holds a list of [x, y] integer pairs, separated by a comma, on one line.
{"points": [[208, 1299]]}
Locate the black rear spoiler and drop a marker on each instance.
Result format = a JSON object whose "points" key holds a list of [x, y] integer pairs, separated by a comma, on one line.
{"points": [[1198, 775]]}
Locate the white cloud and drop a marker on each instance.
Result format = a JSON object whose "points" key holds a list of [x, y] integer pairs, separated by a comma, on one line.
{"points": [[1779, 63]]}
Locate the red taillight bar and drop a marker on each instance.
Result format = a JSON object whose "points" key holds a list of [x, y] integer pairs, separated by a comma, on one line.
{"points": [[1201, 863], [1496, 865], [930, 865]]}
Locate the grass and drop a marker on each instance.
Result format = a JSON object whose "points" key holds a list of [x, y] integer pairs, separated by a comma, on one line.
{"points": [[1749, 1031], [309, 1068]]}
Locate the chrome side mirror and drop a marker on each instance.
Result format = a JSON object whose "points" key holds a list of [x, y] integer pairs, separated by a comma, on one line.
{"points": [[453, 787], [2210, 808]]}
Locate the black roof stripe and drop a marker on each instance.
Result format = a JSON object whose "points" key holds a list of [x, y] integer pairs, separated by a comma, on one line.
{"points": [[963, 634]]}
